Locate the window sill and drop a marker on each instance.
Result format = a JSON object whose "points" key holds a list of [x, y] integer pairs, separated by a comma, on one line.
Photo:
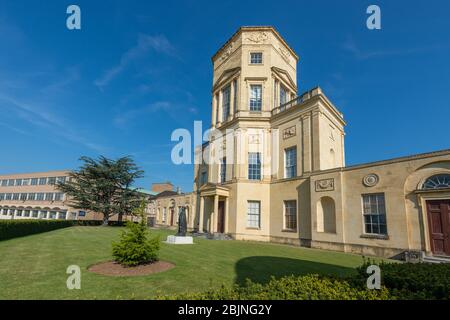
{"points": [[375, 236], [289, 230], [251, 228]]}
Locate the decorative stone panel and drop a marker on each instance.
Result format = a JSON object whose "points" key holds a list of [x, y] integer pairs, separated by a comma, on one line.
{"points": [[289, 132], [325, 185]]}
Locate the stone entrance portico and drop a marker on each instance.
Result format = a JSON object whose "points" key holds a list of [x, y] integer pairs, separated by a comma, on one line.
{"points": [[214, 206]]}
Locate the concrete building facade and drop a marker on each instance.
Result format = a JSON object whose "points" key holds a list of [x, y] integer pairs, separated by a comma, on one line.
{"points": [[274, 166], [34, 196]]}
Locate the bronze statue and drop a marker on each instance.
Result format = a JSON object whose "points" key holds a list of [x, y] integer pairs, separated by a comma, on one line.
{"points": [[182, 223]]}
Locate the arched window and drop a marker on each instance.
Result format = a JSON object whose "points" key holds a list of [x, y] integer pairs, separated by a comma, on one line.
{"points": [[439, 181], [326, 215]]}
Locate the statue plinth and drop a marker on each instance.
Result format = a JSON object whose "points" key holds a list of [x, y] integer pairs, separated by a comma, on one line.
{"points": [[180, 237], [179, 240]]}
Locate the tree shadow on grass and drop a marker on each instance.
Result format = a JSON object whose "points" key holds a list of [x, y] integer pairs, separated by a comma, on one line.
{"points": [[261, 268]]}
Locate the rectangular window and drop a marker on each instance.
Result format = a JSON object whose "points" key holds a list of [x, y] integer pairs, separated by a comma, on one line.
{"points": [[52, 180], [23, 197], [11, 182], [8, 196], [253, 214], [2, 196], [19, 212], [26, 213], [290, 215], [226, 92], [42, 181], [4, 183], [26, 182], [18, 182], [59, 196], [374, 212], [223, 170], [40, 196], [204, 178], [62, 215], [49, 196], [35, 213], [254, 166], [290, 162], [256, 57], [284, 95], [255, 97], [31, 196], [34, 181], [61, 179], [16, 196]]}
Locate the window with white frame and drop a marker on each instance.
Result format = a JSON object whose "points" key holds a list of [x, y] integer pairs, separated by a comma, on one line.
{"points": [[16, 196], [290, 214], [223, 170], [226, 93], [255, 97], [4, 183], [42, 181], [254, 165], [374, 212], [34, 181], [290, 162], [52, 180], [59, 196], [284, 95], [256, 58], [31, 196], [18, 182], [164, 217], [254, 214]]}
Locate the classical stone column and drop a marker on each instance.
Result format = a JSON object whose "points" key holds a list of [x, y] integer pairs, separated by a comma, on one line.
{"points": [[214, 217], [200, 217], [214, 111], [225, 229]]}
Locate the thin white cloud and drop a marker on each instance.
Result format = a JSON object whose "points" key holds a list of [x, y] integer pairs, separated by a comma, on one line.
{"points": [[145, 43], [49, 121], [351, 46]]}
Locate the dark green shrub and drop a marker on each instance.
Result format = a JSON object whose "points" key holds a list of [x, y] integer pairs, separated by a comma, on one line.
{"points": [[134, 247], [411, 280], [18, 228], [310, 287]]}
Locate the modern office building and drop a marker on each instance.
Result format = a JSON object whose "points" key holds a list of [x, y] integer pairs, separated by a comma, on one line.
{"points": [[274, 168], [35, 196]]}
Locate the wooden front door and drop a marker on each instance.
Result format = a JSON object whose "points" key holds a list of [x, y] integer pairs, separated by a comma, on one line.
{"points": [[439, 226], [221, 217]]}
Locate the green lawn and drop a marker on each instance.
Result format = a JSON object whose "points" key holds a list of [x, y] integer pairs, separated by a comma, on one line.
{"points": [[34, 267]]}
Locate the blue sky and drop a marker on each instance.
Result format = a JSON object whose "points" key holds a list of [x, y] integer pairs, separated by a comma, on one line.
{"points": [[140, 69]]}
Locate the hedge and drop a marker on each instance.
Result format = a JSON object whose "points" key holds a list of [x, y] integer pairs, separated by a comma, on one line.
{"points": [[309, 287], [17, 228], [411, 280]]}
